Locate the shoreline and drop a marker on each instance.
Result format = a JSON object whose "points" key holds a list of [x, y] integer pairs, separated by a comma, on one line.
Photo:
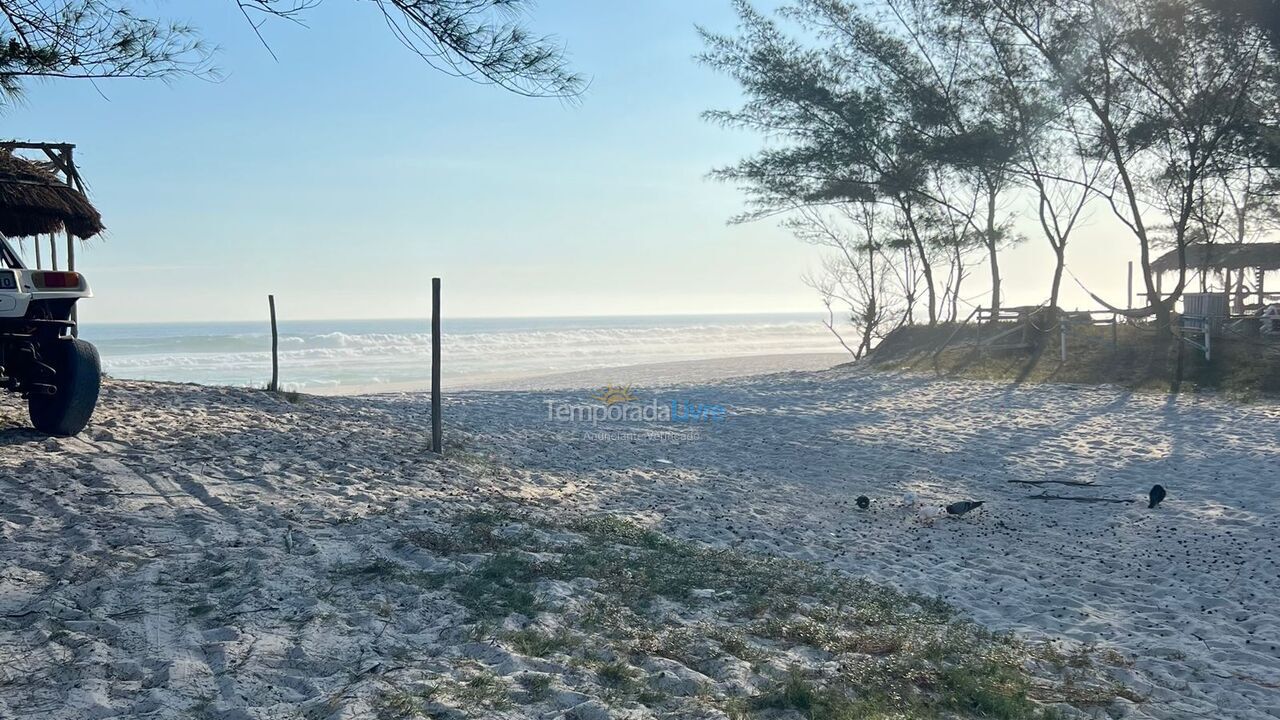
{"points": [[677, 372]]}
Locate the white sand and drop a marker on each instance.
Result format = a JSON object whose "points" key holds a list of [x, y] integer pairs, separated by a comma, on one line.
{"points": [[671, 373], [186, 505], [666, 373]]}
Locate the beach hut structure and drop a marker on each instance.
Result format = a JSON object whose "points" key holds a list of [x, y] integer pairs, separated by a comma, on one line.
{"points": [[45, 197], [1237, 272], [39, 198]]}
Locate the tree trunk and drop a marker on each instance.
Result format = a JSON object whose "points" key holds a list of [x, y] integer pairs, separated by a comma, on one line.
{"points": [[992, 247], [1164, 322], [927, 270], [925, 267], [955, 295], [1241, 227], [909, 290], [872, 313], [864, 346], [1061, 253], [995, 284]]}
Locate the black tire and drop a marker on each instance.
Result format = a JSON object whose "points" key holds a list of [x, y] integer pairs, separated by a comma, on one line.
{"points": [[78, 376]]}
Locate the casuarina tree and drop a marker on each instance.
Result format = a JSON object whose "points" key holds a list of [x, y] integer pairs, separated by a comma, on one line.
{"points": [[483, 40]]}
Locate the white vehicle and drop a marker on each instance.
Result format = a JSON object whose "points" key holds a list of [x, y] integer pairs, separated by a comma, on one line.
{"points": [[40, 358]]}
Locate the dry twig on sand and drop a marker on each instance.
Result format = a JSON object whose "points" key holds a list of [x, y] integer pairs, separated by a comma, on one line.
{"points": [[1055, 482], [1077, 498]]}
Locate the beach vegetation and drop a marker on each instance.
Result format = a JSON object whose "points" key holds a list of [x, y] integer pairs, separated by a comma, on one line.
{"points": [[1130, 357], [797, 691], [385, 570], [615, 674], [536, 642], [483, 690], [538, 685], [915, 142], [293, 397], [406, 703], [610, 594], [500, 586]]}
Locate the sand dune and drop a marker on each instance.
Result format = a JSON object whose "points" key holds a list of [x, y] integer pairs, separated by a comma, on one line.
{"points": [[1188, 591], [227, 553]]}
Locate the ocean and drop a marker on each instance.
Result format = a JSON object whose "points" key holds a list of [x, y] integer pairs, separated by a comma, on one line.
{"points": [[333, 355]]}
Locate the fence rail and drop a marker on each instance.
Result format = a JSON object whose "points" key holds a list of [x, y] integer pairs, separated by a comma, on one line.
{"points": [[1023, 327], [1003, 329]]}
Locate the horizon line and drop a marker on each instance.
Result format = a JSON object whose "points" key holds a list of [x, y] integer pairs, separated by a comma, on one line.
{"points": [[427, 318]]}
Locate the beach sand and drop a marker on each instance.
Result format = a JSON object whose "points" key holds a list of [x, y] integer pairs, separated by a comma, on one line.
{"points": [[652, 374], [192, 551]]}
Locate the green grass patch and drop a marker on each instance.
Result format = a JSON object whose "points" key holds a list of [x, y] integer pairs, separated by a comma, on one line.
{"points": [[540, 643], [814, 700], [538, 685], [615, 674], [385, 570], [482, 690], [403, 704], [637, 593]]}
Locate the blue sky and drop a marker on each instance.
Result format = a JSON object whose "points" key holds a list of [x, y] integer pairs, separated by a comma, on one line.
{"points": [[344, 176]]}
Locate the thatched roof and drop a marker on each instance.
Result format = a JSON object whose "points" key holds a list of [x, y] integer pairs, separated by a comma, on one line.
{"points": [[33, 200], [1244, 256]]}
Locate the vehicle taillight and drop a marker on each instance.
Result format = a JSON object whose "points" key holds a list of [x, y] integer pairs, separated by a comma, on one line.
{"points": [[53, 279]]}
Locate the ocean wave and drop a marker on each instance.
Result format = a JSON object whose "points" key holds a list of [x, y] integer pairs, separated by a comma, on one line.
{"points": [[342, 356], [192, 343]]}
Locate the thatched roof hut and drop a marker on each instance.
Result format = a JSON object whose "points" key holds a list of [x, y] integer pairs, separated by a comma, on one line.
{"points": [[1200, 256], [34, 201]]}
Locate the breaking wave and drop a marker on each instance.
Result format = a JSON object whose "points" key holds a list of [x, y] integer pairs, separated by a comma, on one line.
{"points": [[331, 354]]}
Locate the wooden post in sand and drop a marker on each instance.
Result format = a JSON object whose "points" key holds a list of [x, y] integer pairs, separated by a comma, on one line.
{"points": [[1130, 284], [1062, 330], [275, 347], [437, 444], [71, 265]]}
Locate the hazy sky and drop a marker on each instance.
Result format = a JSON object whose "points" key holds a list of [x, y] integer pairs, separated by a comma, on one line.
{"points": [[344, 176]]}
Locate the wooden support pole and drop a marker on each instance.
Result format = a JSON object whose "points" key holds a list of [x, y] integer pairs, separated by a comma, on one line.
{"points": [[437, 436], [68, 171], [39, 261], [71, 265], [53, 251], [275, 347], [1130, 284]]}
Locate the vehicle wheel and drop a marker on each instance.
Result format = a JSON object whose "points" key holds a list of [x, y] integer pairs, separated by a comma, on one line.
{"points": [[78, 376]]}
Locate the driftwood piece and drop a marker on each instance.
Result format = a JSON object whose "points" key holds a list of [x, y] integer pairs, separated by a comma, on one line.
{"points": [[1077, 498], [1055, 482]]}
